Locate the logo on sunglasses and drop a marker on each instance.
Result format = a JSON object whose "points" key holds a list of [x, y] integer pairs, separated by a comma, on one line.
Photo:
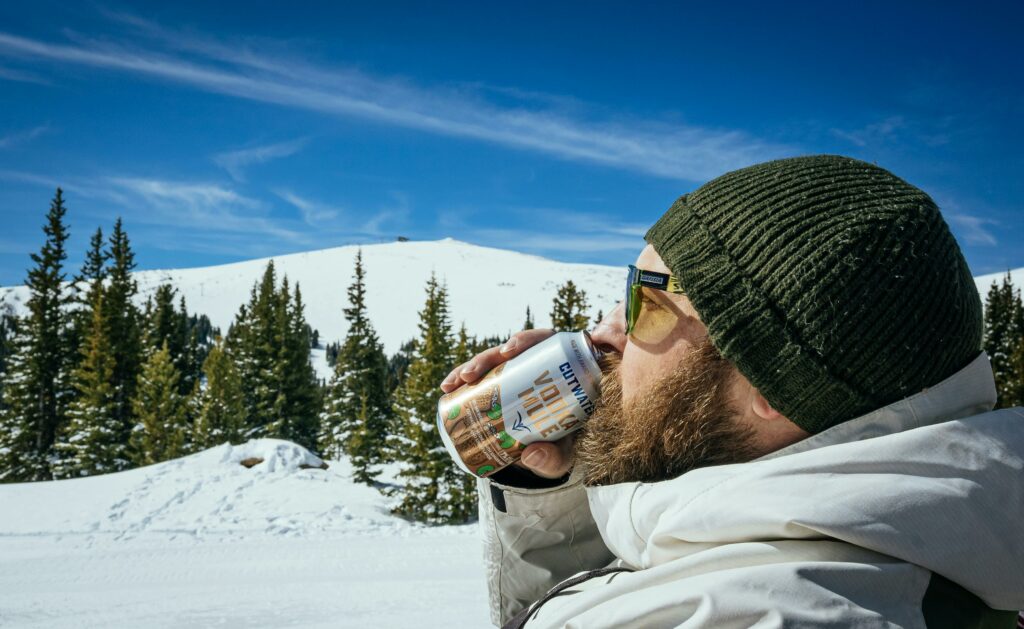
{"points": [[657, 279]]}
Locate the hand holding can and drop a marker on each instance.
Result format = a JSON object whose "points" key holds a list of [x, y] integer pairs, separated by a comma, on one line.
{"points": [[541, 395]]}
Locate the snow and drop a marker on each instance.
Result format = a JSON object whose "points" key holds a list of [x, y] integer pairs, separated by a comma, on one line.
{"points": [[204, 541], [489, 289], [984, 282]]}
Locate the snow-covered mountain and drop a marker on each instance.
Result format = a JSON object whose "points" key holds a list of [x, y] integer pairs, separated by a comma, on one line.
{"points": [[202, 541], [489, 289]]}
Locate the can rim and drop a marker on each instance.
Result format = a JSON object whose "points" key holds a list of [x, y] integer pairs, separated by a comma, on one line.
{"points": [[592, 358]]}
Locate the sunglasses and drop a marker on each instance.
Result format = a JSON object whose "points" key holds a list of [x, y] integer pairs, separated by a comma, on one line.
{"points": [[657, 317]]}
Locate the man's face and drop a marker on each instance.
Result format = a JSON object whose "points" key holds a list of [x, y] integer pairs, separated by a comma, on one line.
{"points": [[671, 404]]}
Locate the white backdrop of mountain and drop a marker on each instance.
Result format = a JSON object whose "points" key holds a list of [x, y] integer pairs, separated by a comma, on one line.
{"points": [[489, 289]]}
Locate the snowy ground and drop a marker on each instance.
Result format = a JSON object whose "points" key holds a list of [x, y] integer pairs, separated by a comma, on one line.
{"points": [[204, 542]]}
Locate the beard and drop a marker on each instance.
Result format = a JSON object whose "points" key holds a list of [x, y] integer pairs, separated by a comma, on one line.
{"points": [[683, 421]]}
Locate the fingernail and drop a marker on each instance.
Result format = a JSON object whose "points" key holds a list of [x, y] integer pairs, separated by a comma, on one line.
{"points": [[470, 368], [534, 458], [508, 346]]}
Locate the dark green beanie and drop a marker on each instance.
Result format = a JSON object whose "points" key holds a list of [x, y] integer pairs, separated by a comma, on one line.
{"points": [[834, 286]]}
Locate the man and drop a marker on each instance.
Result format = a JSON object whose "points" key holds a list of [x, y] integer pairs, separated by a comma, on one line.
{"points": [[798, 432]]}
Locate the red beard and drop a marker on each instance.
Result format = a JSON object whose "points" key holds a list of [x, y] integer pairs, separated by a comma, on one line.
{"points": [[683, 421]]}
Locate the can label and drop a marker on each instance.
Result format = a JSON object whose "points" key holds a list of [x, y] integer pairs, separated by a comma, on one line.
{"points": [[541, 395]]}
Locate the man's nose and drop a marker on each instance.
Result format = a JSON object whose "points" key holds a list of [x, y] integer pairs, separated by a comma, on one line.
{"points": [[610, 333]]}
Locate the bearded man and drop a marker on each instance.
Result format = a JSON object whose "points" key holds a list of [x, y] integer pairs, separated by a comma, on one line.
{"points": [[798, 431]]}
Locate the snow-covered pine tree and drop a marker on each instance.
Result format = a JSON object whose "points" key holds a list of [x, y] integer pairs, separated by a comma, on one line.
{"points": [[7, 323], [86, 286], [37, 386], [93, 440], [124, 319], [463, 499], [1004, 331], [252, 344], [432, 487], [165, 323], [219, 405], [296, 409], [270, 346], [357, 403], [160, 408], [569, 309], [398, 365]]}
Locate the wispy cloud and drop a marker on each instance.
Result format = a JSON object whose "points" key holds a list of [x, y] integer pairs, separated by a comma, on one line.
{"points": [[235, 162], [549, 231], [10, 74], [202, 206], [896, 130], [973, 228], [313, 213], [871, 133], [21, 137], [686, 152]]}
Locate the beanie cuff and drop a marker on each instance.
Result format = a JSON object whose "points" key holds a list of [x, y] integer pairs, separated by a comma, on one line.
{"points": [[749, 330]]}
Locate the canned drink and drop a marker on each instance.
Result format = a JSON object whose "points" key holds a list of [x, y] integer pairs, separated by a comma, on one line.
{"points": [[543, 394]]}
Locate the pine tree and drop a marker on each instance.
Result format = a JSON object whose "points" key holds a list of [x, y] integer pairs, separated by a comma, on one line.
{"points": [[398, 365], [357, 403], [434, 488], [528, 324], [1004, 331], [93, 440], [219, 404], [270, 346], [124, 320], [166, 324], [86, 286], [568, 311], [597, 319], [296, 407], [7, 331], [163, 427], [37, 386], [1015, 390], [251, 345]]}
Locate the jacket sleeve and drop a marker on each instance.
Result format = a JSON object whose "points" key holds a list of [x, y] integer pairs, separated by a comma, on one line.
{"points": [[533, 539]]}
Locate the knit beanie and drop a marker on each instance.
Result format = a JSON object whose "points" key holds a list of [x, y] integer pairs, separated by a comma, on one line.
{"points": [[834, 286]]}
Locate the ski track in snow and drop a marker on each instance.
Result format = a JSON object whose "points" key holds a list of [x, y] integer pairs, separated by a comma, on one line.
{"points": [[203, 542]]}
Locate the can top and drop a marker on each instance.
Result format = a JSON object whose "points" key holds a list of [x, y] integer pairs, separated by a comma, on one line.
{"points": [[593, 357]]}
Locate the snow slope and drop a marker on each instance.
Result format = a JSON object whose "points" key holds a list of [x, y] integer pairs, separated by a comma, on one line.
{"points": [[489, 289], [984, 282], [203, 541]]}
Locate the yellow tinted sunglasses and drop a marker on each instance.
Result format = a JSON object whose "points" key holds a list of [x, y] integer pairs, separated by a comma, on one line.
{"points": [[635, 281]]}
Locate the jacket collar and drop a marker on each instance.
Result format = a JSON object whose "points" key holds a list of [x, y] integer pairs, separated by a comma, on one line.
{"points": [[970, 391]]}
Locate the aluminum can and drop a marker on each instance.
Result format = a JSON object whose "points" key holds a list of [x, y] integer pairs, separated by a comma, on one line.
{"points": [[543, 394]]}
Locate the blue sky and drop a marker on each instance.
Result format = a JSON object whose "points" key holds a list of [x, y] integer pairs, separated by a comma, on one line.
{"points": [[223, 132]]}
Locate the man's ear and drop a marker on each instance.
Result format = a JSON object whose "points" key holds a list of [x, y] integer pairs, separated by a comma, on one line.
{"points": [[762, 408]]}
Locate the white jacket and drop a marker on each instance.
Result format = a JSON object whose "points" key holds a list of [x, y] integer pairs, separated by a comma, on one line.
{"points": [[846, 528]]}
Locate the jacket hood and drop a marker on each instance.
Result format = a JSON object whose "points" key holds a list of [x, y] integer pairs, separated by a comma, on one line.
{"points": [[934, 480]]}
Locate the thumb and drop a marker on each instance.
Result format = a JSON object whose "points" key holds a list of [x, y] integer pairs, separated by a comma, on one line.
{"points": [[549, 460]]}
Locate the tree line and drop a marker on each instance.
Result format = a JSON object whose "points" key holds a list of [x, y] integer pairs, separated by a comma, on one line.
{"points": [[90, 383]]}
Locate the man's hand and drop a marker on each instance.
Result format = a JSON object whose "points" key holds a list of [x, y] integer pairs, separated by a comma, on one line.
{"points": [[545, 459]]}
